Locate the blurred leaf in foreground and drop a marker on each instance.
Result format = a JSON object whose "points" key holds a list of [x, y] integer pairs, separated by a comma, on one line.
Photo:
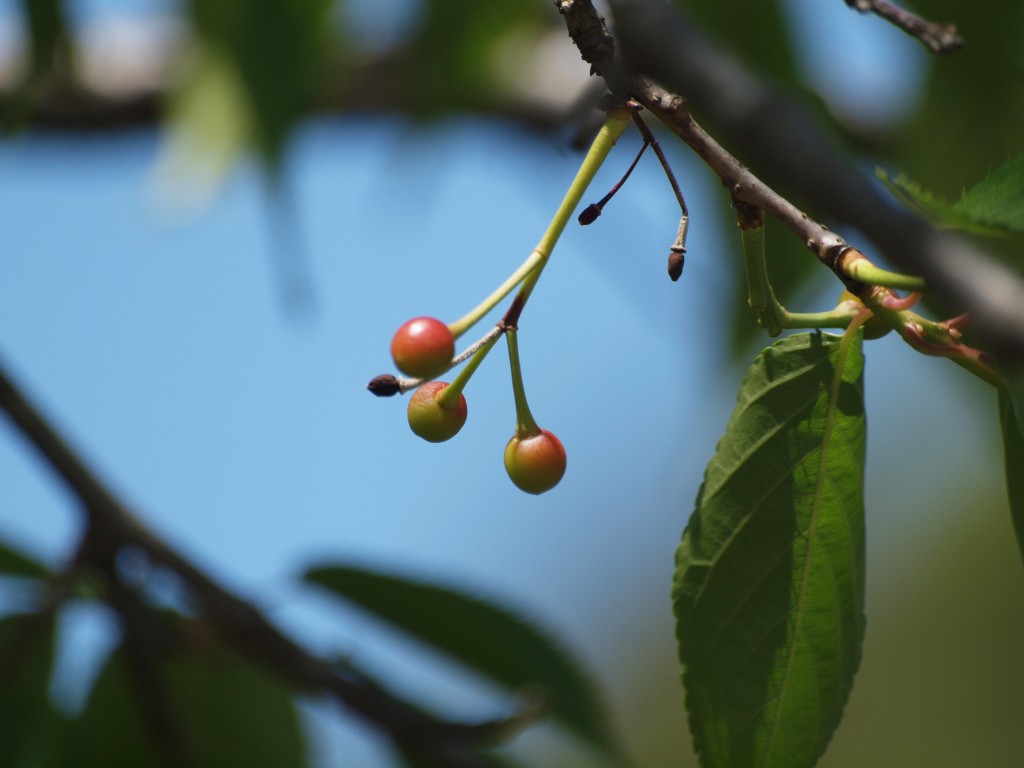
{"points": [[29, 725], [486, 638], [214, 711], [16, 563]]}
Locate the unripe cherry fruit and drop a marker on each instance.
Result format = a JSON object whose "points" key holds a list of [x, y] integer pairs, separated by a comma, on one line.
{"points": [[875, 327], [535, 463], [431, 420], [423, 347]]}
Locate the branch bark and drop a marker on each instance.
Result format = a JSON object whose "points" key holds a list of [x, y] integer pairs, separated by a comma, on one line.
{"points": [[656, 44]]}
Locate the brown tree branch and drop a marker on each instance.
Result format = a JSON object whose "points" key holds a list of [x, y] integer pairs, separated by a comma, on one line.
{"points": [[112, 527], [936, 37], [783, 142]]}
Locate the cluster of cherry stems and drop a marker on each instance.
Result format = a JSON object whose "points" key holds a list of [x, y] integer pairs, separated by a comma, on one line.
{"points": [[424, 348]]}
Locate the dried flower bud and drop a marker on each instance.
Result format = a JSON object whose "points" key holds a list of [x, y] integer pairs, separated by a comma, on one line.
{"points": [[384, 385], [676, 259], [589, 214]]}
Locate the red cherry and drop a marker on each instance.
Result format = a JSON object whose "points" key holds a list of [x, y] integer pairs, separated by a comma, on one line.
{"points": [[423, 347], [535, 463], [430, 419]]}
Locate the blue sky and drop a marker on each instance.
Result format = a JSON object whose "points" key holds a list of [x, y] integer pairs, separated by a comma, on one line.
{"points": [[243, 433]]}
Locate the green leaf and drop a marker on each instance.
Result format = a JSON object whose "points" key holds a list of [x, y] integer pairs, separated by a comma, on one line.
{"points": [[111, 730], [769, 584], [220, 712], [49, 57], [1011, 417], [939, 212], [28, 720], [211, 120], [15, 563], [486, 638], [998, 199], [994, 206], [968, 99], [47, 31]]}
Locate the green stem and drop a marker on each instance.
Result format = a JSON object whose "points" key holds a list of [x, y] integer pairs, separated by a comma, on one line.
{"points": [[471, 318], [834, 318], [613, 127], [449, 397], [530, 269], [760, 295], [525, 424], [771, 314], [833, 397], [866, 272]]}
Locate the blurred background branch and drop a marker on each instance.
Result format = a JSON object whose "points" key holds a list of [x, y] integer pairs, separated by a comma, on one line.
{"points": [[111, 530]]}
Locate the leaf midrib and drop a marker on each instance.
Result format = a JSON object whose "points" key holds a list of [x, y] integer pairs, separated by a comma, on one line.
{"points": [[826, 439]]}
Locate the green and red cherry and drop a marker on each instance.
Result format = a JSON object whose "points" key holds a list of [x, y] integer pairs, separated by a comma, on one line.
{"points": [[432, 416], [423, 347], [534, 458], [535, 463]]}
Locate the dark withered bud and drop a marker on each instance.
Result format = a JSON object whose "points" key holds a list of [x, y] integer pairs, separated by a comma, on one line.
{"points": [[384, 385], [675, 263], [589, 214]]}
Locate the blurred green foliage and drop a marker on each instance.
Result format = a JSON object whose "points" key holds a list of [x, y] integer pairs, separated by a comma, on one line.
{"points": [[220, 711], [28, 720], [278, 49]]}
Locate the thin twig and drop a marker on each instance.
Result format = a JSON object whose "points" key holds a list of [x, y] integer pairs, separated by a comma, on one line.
{"points": [[936, 37], [591, 212], [649, 137], [676, 251]]}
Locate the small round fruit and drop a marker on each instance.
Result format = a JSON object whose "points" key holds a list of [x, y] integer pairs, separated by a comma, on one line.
{"points": [[535, 463], [423, 347], [875, 327], [430, 419]]}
